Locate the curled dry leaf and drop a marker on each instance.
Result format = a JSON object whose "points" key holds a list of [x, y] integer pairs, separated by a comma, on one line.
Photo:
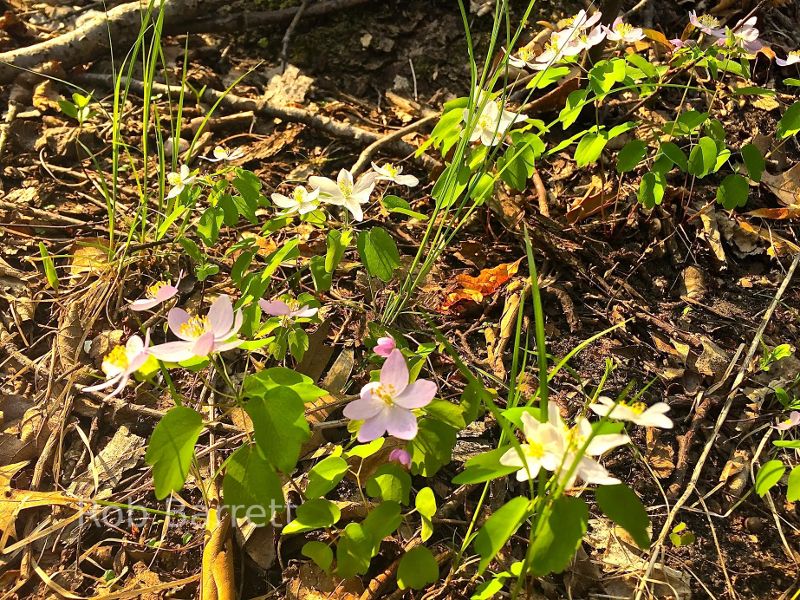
{"points": [[475, 289], [786, 185]]}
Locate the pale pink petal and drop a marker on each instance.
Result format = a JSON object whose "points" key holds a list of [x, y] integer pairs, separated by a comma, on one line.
{"points": [[275, 308], [384, 346], [366, 391], [374, 427], [220, 315], [105, 384], [401, 423], [363, 409], [165, 292], [134, 344], [176, 317], [229, 345], [395, 372], [305, 312], [400, 456], [417, 394], [204, 344], [173, 351], [144, 304], [238, 319]]}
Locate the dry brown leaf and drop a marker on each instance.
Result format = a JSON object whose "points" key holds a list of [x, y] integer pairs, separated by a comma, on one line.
{"points": [[89, 255], [312, 583], [45, 97], [778, 214], [786, 185], [218, 582], [486, 283]]}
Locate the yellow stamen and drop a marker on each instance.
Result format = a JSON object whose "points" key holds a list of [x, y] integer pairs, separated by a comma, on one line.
{"points": [[638, 407], [152, 291], [386, 393], [195, 327], [535, 449], [708, 21], [118, 357], [391, 170]]}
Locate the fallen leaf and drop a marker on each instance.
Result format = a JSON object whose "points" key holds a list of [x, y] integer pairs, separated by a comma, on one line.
{"points": [[218, 582], [89, 255], [486, 283], [786, 185], [778, 214], [45, 97]]}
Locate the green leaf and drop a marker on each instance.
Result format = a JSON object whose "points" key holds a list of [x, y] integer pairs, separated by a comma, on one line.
{"points": [[354, 551], [790, 122], [378, 253], [418, 568], [382, 521], [313, 514], [768, 476], [425, 503], [337, 244], [754, 161], [517, 164], [733, 191], [631, 155], [209, 224], [49, 267], [447, 412], [251, 483], [691, 120], [390, 482], [261, 383], [366, 450], [651, 189], [620, 504], [590, 148], [703, 157], [573, 107], [499, 528], [673, 152], [395, 204], [560, 533], [325, 475], [432, 447], [484, 467], [279, 425], [793, 444], [320, 553], [171, 448], [793, 491]]}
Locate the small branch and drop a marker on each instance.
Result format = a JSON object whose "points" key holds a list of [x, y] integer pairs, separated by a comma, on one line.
{"points": [[366, 155], [322, 123], [287, 37]]}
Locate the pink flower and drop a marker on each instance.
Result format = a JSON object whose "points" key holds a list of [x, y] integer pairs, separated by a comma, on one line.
{"points": [[200, 336], [791, 59], [582, 21], [155, 294], [384, 346], [121, 363], [386, 405], [743, 35], [792, 421], [401, 457], [279, 308], [583, 41], [623, 32], [708, 24]]}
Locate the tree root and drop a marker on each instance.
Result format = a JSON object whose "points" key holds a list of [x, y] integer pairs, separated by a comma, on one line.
{"points": [[321, 123]]}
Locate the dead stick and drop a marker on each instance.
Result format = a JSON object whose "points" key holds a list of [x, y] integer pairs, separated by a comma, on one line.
{"points": [[322, 123], [366, 155], [287, 37]]}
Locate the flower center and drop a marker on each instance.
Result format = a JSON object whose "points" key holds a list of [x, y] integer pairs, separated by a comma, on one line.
{"points": [[486, 121], [386, 393], [795, 53], [535, 449], [118, 357], [525, 54], [346, 189], [623, 29], [195, 327], [391, 170], [175, 179], [638, 407], [299, 195], [152, 291], [708, 21]]}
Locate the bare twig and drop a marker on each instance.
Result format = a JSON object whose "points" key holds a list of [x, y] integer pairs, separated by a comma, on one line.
{"points": [[388, 140], [287, 37], [322, 123]]}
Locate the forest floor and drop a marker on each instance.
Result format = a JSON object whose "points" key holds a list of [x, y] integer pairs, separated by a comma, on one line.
{"points": [[692, 280]]}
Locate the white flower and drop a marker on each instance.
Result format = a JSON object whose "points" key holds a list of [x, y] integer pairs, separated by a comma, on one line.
{"points": [[345, 192], [638, 412], [389, 172], [543, 448], [555, 49], [708, 24], [523, 58], [119, 364], [582, 21], [583, 41], [588, 469], [301, 201], [178, 181], [221, 153], [743, 35], [791, 59], [623, 32], [493, 122]]}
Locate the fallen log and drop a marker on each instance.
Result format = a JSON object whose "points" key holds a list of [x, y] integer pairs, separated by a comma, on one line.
{"points": [[122, 24]]}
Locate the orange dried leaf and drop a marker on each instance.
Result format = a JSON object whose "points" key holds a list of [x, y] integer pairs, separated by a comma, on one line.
{"points": [[486, 283]]}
